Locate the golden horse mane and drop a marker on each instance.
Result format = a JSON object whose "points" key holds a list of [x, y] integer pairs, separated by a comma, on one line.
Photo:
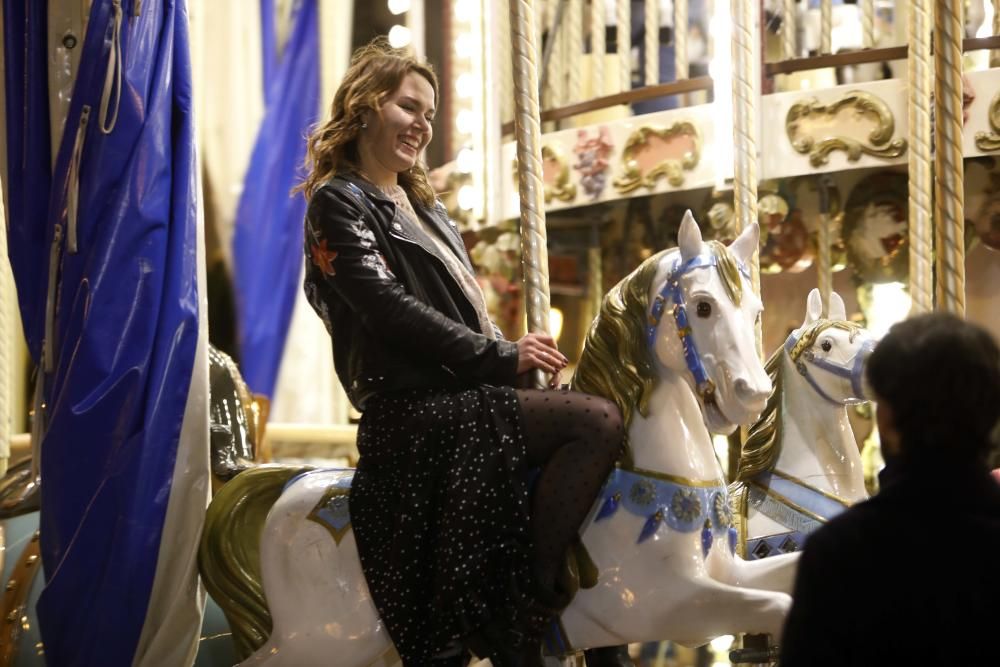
{"points": [[616, 363], [763, 443]]}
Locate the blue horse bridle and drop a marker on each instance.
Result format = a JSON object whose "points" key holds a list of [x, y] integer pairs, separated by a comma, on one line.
{"points": [[854, 373], [672, 291]]}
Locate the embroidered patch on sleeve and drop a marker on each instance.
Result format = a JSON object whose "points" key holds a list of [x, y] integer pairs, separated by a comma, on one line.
{"points": [[376, 262], [323, 258]]}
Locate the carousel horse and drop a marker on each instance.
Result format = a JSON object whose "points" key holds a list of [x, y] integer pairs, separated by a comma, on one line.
{"points": [[673, 346], [801, 465]]}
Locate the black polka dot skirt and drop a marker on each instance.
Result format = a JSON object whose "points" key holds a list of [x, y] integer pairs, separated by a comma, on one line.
{"points": [[439, 507]]}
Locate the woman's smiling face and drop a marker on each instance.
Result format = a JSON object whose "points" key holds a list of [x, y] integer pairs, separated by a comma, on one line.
{"points": [[400, 130]]}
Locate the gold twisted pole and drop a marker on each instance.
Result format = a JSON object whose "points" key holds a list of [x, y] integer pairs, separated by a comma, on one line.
{"points": [[597, 48], [995, 53], [557, 63], [623, 20], [595, 273], [920, 98], [574, 47], [682, 69], [652, 42], [8, 301], [531, 189], [788, 16], [824, 262], [744, 130], [825, 26], [506, 73], [949, 193], [868, 22]]}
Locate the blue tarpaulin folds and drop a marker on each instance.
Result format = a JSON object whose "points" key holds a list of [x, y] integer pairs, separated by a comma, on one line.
{"points": [[105, 255]]}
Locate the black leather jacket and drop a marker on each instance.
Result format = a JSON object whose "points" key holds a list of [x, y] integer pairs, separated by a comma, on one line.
{"points": [[397, 318]]}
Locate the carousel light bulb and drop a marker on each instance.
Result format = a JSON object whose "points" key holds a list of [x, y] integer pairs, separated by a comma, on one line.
{"points": [[466, 197], [464, 45], [465, 85], [890, 304], [722, 644], [398, 7], [399, 36], [465, 161], [555, 323], [464, 10], [465, 121]]}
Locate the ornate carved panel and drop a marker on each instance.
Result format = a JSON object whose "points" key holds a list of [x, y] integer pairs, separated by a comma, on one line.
{"points": [[990, 141], [858, 123], [653, 152]]}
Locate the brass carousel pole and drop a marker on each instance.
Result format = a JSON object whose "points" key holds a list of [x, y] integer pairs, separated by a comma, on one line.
{"points": [[531, 189], [651, 35], [8, 301], [744, 125], [788, 47], [995, 53], [744, 99], [825, 27], [597, 49], [868, 22], [623, 27], [824, 259], [921, 168], [949, 193], [682, 69]]}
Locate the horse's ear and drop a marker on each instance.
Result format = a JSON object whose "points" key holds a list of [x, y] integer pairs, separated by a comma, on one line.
{"points": [[837, 309], [689, 237], [814, 307], [746, 243]]}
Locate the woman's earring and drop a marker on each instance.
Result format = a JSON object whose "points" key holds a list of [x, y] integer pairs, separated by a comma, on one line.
{"points": [[364, 126]]}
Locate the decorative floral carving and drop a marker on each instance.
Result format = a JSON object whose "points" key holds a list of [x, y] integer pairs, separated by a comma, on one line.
{"points": [[592, 155]]}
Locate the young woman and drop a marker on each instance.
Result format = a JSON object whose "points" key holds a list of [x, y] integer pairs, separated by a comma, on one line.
{"points": [[455, 551]]}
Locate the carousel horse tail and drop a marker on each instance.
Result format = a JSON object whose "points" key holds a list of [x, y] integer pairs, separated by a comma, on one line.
{"points": [[229, 553]]}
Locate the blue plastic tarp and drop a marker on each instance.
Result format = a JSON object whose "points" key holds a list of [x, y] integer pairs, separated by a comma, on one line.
{"points": [[124, 324], [267, 243]]}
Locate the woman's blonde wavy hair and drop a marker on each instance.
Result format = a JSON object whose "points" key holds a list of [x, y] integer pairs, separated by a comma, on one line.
{"points": [[375, 72]]}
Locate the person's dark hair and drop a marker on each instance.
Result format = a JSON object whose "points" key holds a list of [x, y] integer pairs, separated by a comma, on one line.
{"points": [[940, 376]]}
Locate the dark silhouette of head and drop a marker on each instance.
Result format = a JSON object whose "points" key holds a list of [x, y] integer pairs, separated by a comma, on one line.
{"points": [[940, 377]]}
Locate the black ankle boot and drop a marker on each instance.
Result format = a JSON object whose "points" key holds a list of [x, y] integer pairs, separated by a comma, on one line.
{"points": [[517, 642]]}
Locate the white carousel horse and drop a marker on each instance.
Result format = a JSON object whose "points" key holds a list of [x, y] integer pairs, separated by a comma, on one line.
{"points": [[801, 465], [660, 533]]}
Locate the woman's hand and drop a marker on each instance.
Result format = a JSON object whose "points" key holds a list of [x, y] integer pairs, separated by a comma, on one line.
{"points": [[539, 351]]}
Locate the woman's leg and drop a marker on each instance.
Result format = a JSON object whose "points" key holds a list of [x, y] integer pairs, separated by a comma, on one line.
{"points": [[575, 439]]}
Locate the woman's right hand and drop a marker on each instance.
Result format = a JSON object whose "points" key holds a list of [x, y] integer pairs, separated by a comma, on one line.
{"points": [[539, 351]]}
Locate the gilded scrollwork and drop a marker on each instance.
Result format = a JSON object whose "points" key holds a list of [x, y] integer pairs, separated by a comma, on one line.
{"points": [[557, 184], [990, 141], [562, 189], [810, 111], [672, 167]]}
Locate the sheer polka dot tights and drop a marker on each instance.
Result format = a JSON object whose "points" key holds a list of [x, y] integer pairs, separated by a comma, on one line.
{"points": [[575, 439]]}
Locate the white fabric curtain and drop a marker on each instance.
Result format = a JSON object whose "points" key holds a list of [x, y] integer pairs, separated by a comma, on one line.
{"points": [[308, 390]]}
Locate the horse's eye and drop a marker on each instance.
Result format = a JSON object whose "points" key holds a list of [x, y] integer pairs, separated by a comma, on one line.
{"points": [[826, 345], [704, 309]]}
